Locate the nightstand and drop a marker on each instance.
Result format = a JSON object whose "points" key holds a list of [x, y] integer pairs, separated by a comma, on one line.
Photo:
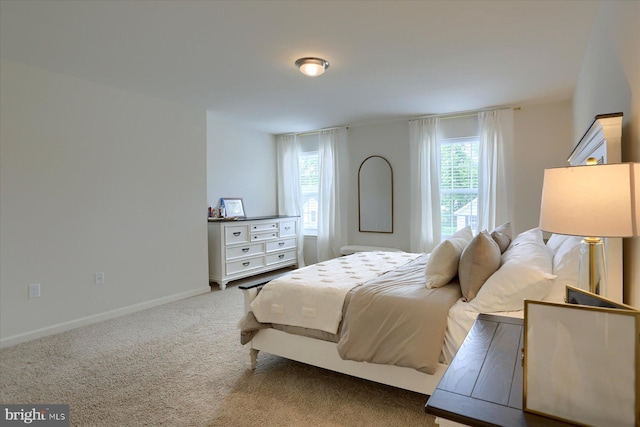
{"points": [[483, 384]]}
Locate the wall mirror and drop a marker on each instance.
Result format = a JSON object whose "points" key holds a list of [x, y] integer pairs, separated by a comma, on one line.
{"points": [[375, 195]]}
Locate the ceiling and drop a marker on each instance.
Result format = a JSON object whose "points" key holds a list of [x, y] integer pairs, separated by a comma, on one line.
{"points": [[389, 60]]}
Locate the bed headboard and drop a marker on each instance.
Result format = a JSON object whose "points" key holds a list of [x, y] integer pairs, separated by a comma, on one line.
{"points": [[602, 142]]}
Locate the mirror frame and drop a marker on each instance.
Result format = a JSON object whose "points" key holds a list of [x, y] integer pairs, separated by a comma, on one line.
{"points": [[360, 200]]}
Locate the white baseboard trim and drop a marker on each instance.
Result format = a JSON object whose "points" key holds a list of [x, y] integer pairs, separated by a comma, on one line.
{"points": [[88, 320]]}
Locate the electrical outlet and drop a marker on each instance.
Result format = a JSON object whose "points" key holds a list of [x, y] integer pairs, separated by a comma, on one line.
{"points": [[34, 290], [100, 278]]}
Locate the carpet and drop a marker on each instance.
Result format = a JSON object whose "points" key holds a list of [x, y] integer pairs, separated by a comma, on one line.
{"points": [[181, 364]]}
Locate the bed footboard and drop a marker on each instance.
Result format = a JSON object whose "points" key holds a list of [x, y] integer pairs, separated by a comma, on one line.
{"points": [[324, 354]]}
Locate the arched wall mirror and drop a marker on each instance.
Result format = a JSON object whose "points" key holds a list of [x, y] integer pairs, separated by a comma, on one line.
{"points": [[375, 195]]}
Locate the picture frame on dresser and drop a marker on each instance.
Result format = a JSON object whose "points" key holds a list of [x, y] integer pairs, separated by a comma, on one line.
{"points": [[233, 207]]}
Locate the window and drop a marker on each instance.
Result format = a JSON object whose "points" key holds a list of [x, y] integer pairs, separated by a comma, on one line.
{"points": [[309, 185], [458, 184]]}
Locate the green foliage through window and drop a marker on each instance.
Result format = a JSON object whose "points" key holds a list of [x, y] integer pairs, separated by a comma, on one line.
{"points": [[458, 184]]}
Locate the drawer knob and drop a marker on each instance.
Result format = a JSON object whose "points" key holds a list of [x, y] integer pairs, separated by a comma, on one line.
{"points": [[287, 228], [281, 256], [237, 233], [280, 243], [246, 264], [245, 249]]}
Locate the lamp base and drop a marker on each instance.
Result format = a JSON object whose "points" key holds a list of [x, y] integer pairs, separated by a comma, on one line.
{"points": [[593, 270]]}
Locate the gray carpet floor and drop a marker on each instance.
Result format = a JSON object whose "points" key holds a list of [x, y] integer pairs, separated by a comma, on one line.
{"points": [[181, 364]]}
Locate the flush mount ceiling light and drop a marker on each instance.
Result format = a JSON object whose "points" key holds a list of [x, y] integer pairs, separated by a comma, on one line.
{"points": [[312, 66]]}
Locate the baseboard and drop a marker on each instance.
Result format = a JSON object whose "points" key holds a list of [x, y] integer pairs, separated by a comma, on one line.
{"points": [[88, 320]]}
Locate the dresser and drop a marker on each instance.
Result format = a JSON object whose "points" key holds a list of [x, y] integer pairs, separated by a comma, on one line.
{"points": [[251, 246]]}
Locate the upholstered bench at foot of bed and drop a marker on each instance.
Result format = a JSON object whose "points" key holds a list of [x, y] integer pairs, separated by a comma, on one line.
{"points": [[352, 249]]}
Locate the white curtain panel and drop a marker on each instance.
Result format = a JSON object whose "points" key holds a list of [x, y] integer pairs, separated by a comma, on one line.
{"points": [[333, 193], [289, 192], [494, 168], [425, 185]]}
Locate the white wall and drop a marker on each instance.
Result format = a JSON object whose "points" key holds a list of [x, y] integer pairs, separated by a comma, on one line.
{"points": [[241, 163], [95, 179], [609, 82], [542, 139], [391, 141]]}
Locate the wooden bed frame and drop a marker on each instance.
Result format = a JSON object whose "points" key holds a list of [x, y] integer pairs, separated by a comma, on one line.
{"points": [[324, 354]]}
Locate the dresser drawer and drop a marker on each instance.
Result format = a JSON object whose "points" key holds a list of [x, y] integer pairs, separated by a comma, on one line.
{"points": [[245, 250], [245, 265], [264, 226], [281, 257], [236, 234], [281, 244], [257, 237], [287, 228]]}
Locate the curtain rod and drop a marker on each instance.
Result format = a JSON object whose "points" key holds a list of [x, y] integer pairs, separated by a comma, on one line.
{"points": [[313, 132], [458, 114], [467, 113]]}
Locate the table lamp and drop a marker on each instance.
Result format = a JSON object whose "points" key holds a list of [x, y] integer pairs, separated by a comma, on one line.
{"points": [[593, 201]]}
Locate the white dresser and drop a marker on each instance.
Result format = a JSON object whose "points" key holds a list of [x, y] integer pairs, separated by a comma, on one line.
{"points": [[251, 246]]}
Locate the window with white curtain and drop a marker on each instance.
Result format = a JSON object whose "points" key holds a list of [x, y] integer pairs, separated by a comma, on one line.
{"points": [[308, 164], [458, 184], [309, 181], [459, 142]]}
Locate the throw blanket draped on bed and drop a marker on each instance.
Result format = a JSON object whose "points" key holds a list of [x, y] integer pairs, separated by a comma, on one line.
{"points": [[395, 320], [313, 296]]}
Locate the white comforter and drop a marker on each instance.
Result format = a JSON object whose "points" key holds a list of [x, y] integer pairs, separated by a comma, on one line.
{"points": [[313, 296]]}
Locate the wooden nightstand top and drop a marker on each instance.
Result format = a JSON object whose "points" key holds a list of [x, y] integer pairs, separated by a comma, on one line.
{"points": [[483, 384]]}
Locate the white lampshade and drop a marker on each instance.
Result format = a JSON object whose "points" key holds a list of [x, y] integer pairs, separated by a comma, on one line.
{"points": [[596, 200], [312, 66]]}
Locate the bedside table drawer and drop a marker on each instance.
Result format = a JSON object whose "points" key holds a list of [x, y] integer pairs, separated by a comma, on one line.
{"points": [[244, 265], [244, 251]]}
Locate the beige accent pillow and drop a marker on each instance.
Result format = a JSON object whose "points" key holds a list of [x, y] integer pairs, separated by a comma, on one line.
{"points": [[502, 236], [479, 260], [443, 262]]}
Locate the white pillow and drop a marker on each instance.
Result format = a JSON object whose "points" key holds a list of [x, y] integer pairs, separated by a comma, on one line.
{"points": [[443, 262], [532, 235], [566, 265], [556, 240], [525, 273]]}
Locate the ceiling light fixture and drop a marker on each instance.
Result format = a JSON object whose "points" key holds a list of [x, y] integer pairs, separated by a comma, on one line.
{"points": [[312, 66]]}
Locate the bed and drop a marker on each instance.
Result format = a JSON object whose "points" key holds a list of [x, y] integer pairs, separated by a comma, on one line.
{"points": [[378, 340], [527, 267]]}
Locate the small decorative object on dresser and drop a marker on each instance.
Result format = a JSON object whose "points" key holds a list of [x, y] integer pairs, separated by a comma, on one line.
{"points": [[231, 207], [250, 246]]}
